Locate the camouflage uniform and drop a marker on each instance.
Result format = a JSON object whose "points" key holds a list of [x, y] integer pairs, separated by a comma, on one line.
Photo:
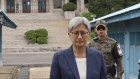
{"points": [[110, 49]]}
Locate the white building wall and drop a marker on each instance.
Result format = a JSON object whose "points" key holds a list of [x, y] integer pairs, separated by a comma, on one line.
{"points": [[0, 4], [3, 5], [49, 6], [20, 6], [34, 6]]}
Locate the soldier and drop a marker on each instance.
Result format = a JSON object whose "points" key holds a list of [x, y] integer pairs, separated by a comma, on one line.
{"points": [[110, 48], [17, 8]]}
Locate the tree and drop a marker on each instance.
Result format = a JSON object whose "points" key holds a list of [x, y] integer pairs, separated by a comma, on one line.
{"points": [[104, 7]]}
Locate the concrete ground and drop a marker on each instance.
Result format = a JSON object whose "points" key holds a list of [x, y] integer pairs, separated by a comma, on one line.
{"points": [[39, 73], [8, 72], [13, 72]]}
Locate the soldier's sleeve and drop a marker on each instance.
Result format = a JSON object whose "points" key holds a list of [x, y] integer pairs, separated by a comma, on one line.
{"points": [[117, 54], [89, 44], [116, 51], [120, 68]]}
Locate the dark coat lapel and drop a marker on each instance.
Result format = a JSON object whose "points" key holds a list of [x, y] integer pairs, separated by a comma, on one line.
{"points": [[72, 63]]}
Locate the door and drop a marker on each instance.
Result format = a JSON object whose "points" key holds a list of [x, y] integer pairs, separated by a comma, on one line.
{"points": [[41, 6], [73, 1], [26, 6], [134, 52], [10, 6], [85, 1]]}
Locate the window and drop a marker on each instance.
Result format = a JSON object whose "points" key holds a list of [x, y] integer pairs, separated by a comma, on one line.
{"points": [[10, 6], [85, 1], [73, 1], [41, 6], [26, 6]]}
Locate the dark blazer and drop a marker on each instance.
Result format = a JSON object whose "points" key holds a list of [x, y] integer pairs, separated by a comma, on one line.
{"points": [[64, 65]]}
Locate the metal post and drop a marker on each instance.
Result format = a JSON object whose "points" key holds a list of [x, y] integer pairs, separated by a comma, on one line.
{"points": [[139, 69]]}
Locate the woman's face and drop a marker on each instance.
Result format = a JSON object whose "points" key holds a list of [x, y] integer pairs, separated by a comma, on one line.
{"points": [[79, 35]]}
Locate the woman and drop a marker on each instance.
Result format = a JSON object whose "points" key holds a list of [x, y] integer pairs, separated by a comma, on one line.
{"points": [[78, 61]]}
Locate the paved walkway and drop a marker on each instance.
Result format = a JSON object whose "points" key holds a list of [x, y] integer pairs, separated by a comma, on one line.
{"points": [[23, 73], [14, 72], [8, 72], [39, 73]]}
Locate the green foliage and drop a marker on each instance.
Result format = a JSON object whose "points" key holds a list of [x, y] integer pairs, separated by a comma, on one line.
{"points": [[91, 36], [37, 36], [30, 34], [41, 32], [32, 41], [69, 6], [41, 40], [87, 15], [104, 7]]}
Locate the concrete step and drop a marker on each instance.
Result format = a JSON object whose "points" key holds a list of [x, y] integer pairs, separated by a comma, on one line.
{"points": [[36, 17], [44, 72], [22, 44], [17, 51], [31, 49], [8, 72], [28, 59], [29, 52], [18, 39]]}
